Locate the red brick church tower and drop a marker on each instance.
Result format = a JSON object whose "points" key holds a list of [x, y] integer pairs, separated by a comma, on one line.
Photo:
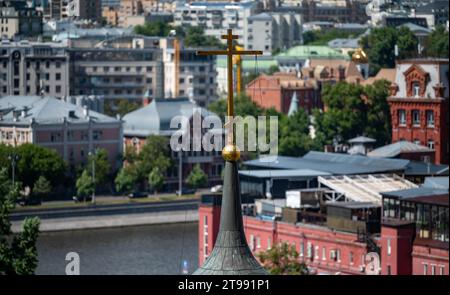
{"points": [[419, 104]]}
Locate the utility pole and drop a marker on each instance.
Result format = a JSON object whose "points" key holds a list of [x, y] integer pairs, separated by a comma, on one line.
{"points": [[180, 173], [13, 158], [92, 154]]}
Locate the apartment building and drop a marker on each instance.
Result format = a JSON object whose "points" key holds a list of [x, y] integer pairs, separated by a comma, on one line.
{"points": [[216, 17], [271, 31], [17, 19], [75, 9], [197, 76], [33, 68], [71, 130], [117, 73]]}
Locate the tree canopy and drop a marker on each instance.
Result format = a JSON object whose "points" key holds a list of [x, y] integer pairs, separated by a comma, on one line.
{"points": [[126, 179], [283, 259], [156, 179], [353, 110], [322, 37], [197, 178], [102, 166], [34, 161], [85, 184], [18, 253], [436, 44], [380, 43]]}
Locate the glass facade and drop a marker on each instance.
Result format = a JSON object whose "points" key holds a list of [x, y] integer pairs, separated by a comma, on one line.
{"points": [[431, 220]]}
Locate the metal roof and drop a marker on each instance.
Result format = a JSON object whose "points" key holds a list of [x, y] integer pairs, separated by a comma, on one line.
{"points": [[397, 148], [416, 192], [283, 173], [353, 205], [305, 52], [333, 163], [361, 139], [422, 168], [436, 182], [45, 110], [155, 118]]}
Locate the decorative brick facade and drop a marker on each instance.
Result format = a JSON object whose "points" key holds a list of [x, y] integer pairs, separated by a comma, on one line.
{"points": [[419, 105]]}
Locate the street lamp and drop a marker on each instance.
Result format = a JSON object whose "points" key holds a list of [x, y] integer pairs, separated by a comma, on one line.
{"points": [[13, 158], [92, 154]]}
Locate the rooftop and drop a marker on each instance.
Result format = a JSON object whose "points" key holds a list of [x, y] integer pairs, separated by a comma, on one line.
{"points": [[394, 149], [283, 173], [422, 195], [333, 163], [361, 139], [23, 110], [305, 51], [365, 188], [353, 205], [155, 118]]}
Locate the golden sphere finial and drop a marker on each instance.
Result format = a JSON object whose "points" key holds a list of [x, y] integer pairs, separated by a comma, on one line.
{"points": [[359, 56], [231, 153]]}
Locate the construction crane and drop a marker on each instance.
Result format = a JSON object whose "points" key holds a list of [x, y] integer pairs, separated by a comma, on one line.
{"points": [[237, 60]]}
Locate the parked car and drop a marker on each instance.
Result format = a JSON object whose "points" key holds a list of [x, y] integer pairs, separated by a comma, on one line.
{"points": [[78, 199], [216, 188], [29, 201], [135, 195]]}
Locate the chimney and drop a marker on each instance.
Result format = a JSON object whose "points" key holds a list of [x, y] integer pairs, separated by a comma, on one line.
{"points": [[341, 73]]}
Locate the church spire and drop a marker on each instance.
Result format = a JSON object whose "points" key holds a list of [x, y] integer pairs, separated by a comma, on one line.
{"points": [[231, 254], [293, 107]]}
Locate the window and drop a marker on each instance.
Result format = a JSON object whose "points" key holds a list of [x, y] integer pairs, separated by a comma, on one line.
{"points": [[416, 141], [416, 117], [430, 118], [338, 255], [324, 253], [316, 252], [58, 89], [389, 271], [416, 88], [425, 269], [442, 270], [350, 257], [269, 243], [402, 117], [58, 76], [430, 144], [433, 270], [149, 69], [302, 249], [258, 242], [58, 64], [309, 250], [389, 247], [252, 242]]}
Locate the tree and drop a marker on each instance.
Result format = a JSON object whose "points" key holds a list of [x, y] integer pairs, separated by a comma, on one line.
{"points": [[273, 69], [123, 107], [156, 179], [35, 161], [154, 154], [283, 259], [197, 178], [378, 116], [345, 115], [126, 179], [195, 37], [18, 253], [380, 45], [436, 44], [42, 187], [157, 28], [85, 185], [102, 166], [294, 137]]}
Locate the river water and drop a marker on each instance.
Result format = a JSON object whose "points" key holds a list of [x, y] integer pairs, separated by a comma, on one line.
{"points": [[150, 250]]}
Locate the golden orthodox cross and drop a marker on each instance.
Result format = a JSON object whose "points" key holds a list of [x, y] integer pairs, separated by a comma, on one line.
{"points": [[230, 52]]}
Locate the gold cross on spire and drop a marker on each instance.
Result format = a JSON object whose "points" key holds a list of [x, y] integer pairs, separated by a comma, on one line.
{"points": [[230, 52]]}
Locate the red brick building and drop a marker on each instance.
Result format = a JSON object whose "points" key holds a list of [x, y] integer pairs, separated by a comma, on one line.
{"points": [[419, 104], [414, 233], [277, 90]]}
